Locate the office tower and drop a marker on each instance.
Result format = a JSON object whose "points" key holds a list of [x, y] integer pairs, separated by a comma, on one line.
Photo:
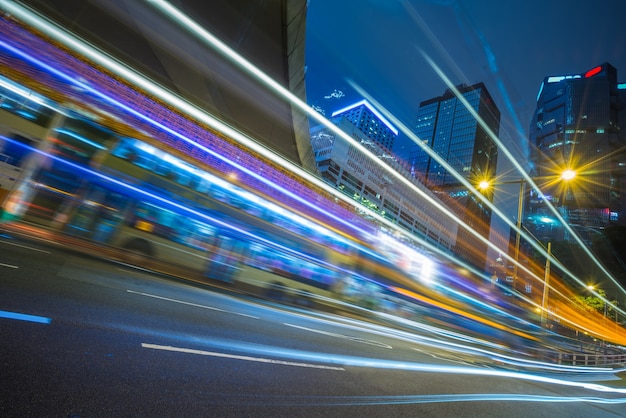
{"points": [[345, 166], [369, 121], [579, 125], [446, 125]]}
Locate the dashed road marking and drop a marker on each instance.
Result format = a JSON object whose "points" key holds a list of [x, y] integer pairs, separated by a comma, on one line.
{"points": [[191, 304], [238, 357]]}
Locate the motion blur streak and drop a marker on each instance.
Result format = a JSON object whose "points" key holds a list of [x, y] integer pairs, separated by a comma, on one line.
{"points": [[172, 204], [162, 94], [321, 401], [347, 361], [25, 317]]}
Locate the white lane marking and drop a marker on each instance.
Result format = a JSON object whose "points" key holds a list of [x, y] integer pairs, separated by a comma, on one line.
{"points": [[11, 266], [345, 337], [25, 317], [25, 246], [236, 357], [191, 304]]}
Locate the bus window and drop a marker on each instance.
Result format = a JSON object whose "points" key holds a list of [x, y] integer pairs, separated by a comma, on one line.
{"points": [[79, 140], [98, 215], [33, 108], [125, 149], [226, 259], [14, 148]]}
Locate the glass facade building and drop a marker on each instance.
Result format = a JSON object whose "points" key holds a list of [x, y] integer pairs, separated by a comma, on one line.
{"points": [[448, 127], [579, 125], [344, 166], [369, 121]]}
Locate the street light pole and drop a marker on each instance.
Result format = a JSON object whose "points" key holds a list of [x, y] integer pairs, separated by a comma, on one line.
{"points": [[546, 288], [485, 184], [520, 208]]}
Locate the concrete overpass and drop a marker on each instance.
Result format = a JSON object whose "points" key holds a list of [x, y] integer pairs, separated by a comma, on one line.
{"points": [[268, 33]]}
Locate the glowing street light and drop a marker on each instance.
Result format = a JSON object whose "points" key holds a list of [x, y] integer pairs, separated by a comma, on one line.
{"points": [[486, 185], [566, 175]]}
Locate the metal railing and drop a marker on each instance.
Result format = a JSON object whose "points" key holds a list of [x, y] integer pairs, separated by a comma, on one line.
{"points": [[587, 359]]}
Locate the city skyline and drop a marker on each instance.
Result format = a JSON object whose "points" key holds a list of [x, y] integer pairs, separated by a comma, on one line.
{"points": [[468, 41], [511, 48]]}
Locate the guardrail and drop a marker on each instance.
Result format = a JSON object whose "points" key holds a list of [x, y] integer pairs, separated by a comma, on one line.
{"points": [[586, 359]]}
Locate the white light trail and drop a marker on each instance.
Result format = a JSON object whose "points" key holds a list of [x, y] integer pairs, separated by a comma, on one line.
{"points": [[209, 39]]}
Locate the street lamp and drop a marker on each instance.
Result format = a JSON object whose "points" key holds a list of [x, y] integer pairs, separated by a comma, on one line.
{"points": [[566, 175], [485, 185], [546, 289]]}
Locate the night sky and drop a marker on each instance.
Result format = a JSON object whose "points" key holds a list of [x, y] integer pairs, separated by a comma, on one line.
{"points": [[509, 46]]}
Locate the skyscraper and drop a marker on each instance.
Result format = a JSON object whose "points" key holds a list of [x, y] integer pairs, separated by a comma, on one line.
{"points": [[369, 121], [579, 124], [348, 168], [447, 126]]}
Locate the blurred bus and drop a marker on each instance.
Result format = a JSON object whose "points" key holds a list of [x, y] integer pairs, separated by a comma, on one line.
{"points": [[71, 173]]}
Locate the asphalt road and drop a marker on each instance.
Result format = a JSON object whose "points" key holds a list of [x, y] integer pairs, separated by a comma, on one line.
{"points": [[81, 337]]}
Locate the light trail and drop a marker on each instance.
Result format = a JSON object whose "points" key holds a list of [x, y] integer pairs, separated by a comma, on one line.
{"points": [[25, 317], [184, 106], [325, 401], [209, 39]]}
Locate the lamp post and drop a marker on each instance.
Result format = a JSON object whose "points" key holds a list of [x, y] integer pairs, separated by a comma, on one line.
{"points": [[546, 289], [566, 175], [484, 185], [603, 296]]}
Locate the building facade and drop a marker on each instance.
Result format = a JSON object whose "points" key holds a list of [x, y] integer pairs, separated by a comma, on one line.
{"points": [[346, 167], [369, 121], [446, 125], [579, 124]]}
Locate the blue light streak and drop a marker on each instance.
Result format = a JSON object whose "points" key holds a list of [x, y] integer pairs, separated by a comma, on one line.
{"points": [[80, 138], [173, 204], [25, 317]]}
